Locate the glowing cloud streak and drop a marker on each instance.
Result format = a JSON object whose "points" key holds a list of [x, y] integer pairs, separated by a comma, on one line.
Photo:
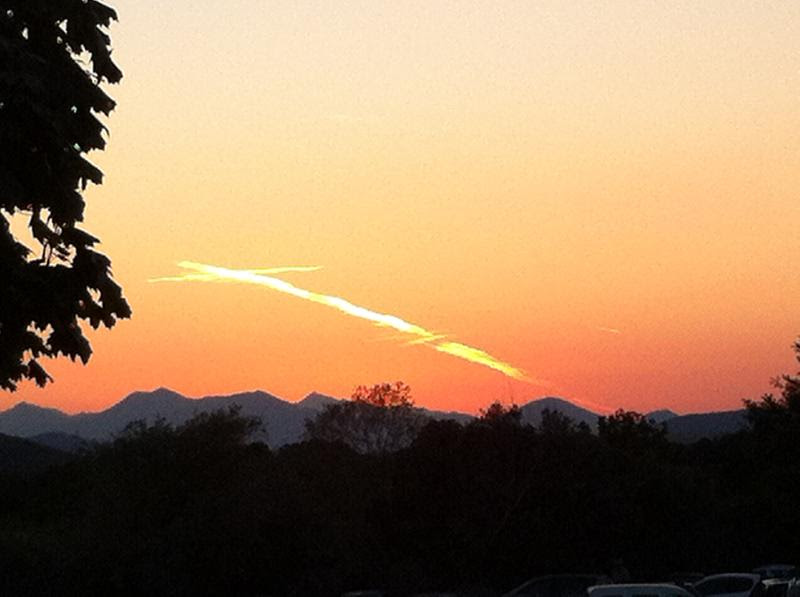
{"points": [[210, 273], [610, 330]]}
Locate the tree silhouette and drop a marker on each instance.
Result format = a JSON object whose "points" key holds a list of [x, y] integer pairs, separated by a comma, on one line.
{"points": [[203, 511], [557, 423], [498, 415], [54, 56], [377, 419], [775, 423], [631, 431], [772, 413]]}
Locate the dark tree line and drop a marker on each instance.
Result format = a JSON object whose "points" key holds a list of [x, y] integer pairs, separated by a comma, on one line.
{"points": [[199, 510]]}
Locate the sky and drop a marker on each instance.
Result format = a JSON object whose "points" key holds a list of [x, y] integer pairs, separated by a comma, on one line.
{"points": [[602, 194]]}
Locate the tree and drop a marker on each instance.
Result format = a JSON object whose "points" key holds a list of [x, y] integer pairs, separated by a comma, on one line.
{"points": [[377, 419], [498, 415], [775, 420], [631, 431], [557, 423], [54, 57], [772, 413]]}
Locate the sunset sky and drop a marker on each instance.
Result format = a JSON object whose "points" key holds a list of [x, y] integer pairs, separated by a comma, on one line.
{"points": [[603, 194]]}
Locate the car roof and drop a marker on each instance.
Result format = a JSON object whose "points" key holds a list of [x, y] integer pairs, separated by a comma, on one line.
{"points": [[531, 582], [776, 567], [636, 585], [732, 575], [664, 588]]}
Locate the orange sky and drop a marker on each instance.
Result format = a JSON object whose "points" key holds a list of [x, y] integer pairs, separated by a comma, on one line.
{"points": [[519, 175]]}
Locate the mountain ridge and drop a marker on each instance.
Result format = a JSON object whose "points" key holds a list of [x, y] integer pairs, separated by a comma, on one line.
{"points": [[532, 411], [283, 422]]}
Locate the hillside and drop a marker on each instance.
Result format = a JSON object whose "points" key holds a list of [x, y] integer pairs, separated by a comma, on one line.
{"points": [[22, 456], [283, 422], [532, 411]]}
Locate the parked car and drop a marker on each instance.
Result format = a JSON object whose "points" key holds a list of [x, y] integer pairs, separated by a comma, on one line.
{"points": [[794, 588], [784, 571], [776, 587], [638, 590], [558, 585], [730, 585]]}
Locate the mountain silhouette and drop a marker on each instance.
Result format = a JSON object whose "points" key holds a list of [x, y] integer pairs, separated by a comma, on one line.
{"points": [[65, 442], [25, 419], [283, 422], [316, 401], [690, 428], [661, 416], [22, 456], [532, 411]]}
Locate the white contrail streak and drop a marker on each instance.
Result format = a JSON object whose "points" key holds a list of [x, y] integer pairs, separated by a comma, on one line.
{"points": [[208, 273]]}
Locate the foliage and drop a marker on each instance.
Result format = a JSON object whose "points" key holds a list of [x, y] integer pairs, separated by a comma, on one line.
{"points": [[630, 430], [377, 419], [556, 423], [496, 414], [157, 509], [385, 395], [54, 56], [195, 509], [775, 421], [207, 431], [771, 413]]}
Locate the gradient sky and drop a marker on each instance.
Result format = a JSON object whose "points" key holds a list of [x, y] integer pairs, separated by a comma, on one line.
{"points": [[526, 176]]}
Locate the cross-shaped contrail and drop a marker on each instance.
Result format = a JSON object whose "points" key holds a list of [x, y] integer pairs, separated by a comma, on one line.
{"points": [[200, 272]]}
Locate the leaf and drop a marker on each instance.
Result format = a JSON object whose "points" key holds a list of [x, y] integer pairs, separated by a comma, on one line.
{"points": [[37, 373]]}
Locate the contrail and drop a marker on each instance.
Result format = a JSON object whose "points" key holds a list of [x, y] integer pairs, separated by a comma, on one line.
{"points": [[208, 273], [609, 330], [201, 277]]}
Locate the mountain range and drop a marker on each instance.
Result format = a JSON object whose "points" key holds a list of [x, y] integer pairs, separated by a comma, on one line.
{"points": [[283, 422], [680, 428]]}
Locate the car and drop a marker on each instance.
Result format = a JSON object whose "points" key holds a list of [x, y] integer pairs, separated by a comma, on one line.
{"points": [[558, 585], [638, 590], [776, 587], [730, 585], [793, 589], [783, 571]]}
